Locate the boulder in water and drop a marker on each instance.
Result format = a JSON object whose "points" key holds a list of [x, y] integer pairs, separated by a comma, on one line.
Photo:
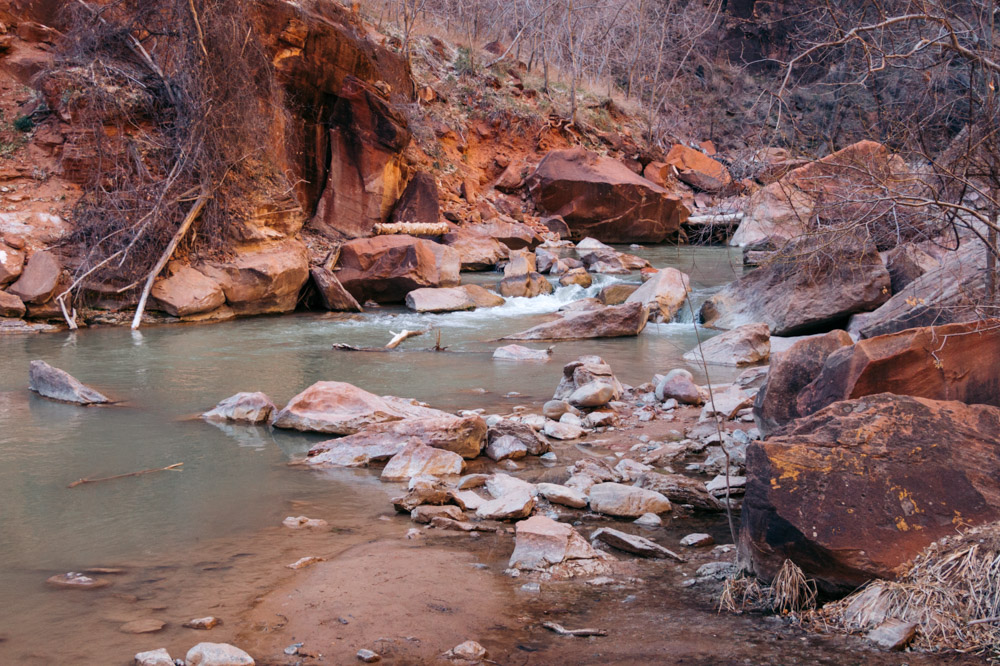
{"points": [[344, 409], [262, 280], [519, 353], [527, 285], [664, 293], [616, 499], [57, 384], [439, 299], [386, 268], [242, 408], [614, 321], [476, 250], [332, 293], [744, 345]]}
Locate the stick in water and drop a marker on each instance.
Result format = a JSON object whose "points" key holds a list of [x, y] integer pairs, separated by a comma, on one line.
{"points": [[402, 335], [80, 482]]}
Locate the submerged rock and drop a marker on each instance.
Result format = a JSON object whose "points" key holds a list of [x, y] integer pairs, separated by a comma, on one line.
{"points": [[859, 488], [56, 384], [344, 409], [519, 353], [217, 654], [242, 408]]}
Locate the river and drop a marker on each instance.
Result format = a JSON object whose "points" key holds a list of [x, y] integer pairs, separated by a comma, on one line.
{"points": [[235, 484]]}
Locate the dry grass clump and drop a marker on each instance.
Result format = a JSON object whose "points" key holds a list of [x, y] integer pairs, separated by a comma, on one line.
{"points": [[951, 590], [789, 593]]}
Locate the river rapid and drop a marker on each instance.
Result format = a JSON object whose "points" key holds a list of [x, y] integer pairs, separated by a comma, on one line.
{"points": [[176, 533]]}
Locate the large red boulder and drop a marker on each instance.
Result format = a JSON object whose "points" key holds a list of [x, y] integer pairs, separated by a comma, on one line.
{"points": [[953, 362], [856, 490], [386, 268], [39, 279], [604, 199]]}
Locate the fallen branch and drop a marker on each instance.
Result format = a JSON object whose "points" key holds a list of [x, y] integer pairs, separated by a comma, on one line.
{"points": [[563, 631], [192, 215], [402, 335], [80, 482], [412, 228]]}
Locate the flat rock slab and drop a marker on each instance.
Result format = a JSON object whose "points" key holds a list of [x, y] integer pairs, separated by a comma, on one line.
{"points": [[510, 506], [147, 626], [57, 384], [562, 495], [744, 345], [893, 634], [632, 543]]}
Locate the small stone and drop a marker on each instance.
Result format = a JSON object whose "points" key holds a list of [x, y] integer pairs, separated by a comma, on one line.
{"points": [[413, 533], [426, 513], [697, 540], [468, 651], [76, 581], [369, 656], [301, 522], [562, 495], [509, 465], [649, 520], [147, 626], [302, 563], [210, 621], [159, 657], [533, 588], [548, 457], [562, 430]]}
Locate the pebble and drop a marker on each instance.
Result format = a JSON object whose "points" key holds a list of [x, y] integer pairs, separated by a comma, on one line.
{"points": [[548, 457], [304, 562], [369, 656], [649, 520], [467, 651], [413, 533], [533, 588], [203, 622], [697, 540], [292, 649]]}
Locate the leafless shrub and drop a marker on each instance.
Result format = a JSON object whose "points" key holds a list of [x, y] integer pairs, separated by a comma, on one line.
{"points": [[169, 101]]}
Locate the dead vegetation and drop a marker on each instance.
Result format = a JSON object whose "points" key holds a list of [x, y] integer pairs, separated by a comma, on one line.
{"points": [[171, 105], [790, 593], [951, 590]]}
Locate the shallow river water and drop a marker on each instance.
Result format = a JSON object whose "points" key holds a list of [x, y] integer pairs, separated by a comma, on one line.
{"points": [[235, 480]]}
